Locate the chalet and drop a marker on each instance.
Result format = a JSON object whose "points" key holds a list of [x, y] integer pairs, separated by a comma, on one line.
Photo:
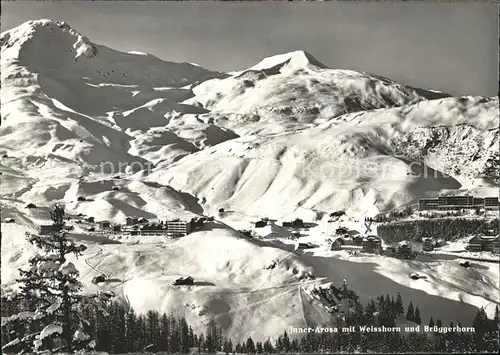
{"points": [[260, 224], [184, 281], [404, 250], [390, 251], [357, 239], [178, 228], [117, 228], [484, 243], [428, 244], [130, 221], [287, 224], [372, 244], [104, 225], [336, 245], [341, 230], [142, 220]]}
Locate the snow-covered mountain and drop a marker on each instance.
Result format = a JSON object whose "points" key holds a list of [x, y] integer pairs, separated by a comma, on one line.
{"points": [[288, 137]]}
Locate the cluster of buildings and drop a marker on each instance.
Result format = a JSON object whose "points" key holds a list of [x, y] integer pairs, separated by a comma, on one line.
{"points": [[448, 203], [141, 226], [373, 244], [369, 244]]}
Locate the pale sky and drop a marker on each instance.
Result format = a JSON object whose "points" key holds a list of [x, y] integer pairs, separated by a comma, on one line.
{"points": [[443, 46]]}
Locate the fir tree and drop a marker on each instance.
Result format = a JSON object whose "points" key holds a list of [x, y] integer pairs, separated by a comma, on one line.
{"points": [[258, 346], [268, 347], [238, 349], [201, 343], [399, 304], [431, 322], [409, 314], [50, 290], [286, 342], [371, 308], [417, 318], [228, 346], [250, 348]]}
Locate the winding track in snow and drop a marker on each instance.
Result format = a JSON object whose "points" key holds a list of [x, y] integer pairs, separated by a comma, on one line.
{"points": [[94, 267]]}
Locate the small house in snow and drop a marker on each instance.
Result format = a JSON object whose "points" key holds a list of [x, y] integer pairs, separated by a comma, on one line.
{"points": [[260, 224], [104, 225], [404, 250], [184, 281], [336, 245], [130, 221], [372, 244], [428, 244]]}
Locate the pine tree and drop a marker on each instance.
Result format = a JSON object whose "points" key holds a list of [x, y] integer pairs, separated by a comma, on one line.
{"points": [[250, 348], [431, 322], [268, 347], [399, 304], [417, 316], [409, 314], [184, 334], [237, 349], [286, 342], [201, 343], [259, 347], [370, 310], [191, 336], [228, 346], [50, 289]]}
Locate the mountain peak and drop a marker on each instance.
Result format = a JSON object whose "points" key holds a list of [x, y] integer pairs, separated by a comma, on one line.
{"points": [[43, 34], [295, 59]]}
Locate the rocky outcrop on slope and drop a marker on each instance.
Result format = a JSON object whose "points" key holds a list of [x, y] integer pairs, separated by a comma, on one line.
{"points": [[461, 151]]}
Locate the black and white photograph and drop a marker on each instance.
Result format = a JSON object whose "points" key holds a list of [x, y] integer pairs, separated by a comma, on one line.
{"points": [[249, 177]]}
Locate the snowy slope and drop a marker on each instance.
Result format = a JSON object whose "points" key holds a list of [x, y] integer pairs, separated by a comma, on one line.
{"points": [[286, 138], [296, 87], [349, 162]]}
